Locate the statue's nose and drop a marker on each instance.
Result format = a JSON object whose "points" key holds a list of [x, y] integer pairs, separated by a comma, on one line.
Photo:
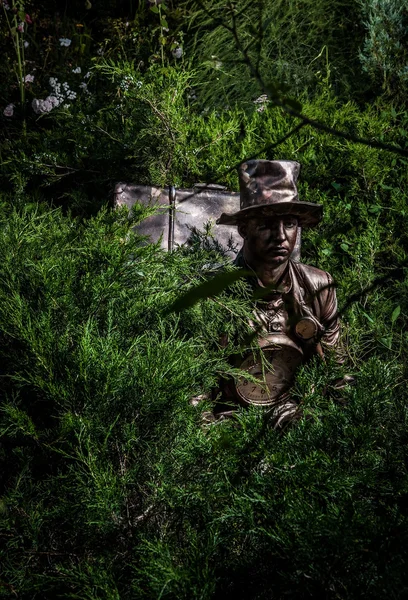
{"points": [[278, 232]]}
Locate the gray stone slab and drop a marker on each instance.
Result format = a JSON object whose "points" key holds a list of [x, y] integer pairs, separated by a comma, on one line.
{"points": [[193, 208]]}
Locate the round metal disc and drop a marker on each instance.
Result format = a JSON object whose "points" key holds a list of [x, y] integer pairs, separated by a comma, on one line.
{"points": [[274, 368], [306, 328]]}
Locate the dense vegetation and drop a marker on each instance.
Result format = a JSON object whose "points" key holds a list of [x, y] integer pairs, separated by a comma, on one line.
{"points": [[110, 485]]}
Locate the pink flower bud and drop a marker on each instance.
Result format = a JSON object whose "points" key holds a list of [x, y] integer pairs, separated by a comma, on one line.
{"points": [[28, 19]]}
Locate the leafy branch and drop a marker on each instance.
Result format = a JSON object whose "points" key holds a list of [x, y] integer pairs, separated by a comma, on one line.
{"points": [[274, 90]]}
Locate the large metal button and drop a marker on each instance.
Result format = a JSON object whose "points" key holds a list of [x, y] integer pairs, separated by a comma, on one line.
{"points": [[276, 326]]}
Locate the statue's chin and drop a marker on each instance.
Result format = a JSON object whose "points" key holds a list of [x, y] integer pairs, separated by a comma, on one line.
{"points": [[276, 261]]}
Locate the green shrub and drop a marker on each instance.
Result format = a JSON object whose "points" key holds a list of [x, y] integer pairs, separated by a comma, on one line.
{"points": [[384, 54], [111, 488]]}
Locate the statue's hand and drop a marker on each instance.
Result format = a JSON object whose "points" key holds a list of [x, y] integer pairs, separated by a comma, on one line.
{"points": [[337, 385], [342, 382]]}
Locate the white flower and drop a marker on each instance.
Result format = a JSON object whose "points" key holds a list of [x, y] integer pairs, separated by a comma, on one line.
{"points": [[29, 79], [47, 105], [26, 44], [7, 7], [262, 101], [83, 85], [65, 42], [99, 51], [65, 85], [53, 100], [9, 110], [71, 95], [38, 106], [43, 106], [177, 52], [77, 70], [87, 75]]}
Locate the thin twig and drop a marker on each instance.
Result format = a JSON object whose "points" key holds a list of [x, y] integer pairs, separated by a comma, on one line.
{"points": [[282, 103]]}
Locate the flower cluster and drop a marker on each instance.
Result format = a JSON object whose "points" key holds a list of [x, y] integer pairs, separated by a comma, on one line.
{"points": [[129, 82], [65, 94], [9, 110], [65, 42], [44, 106], [262, 101], [60, 93]]}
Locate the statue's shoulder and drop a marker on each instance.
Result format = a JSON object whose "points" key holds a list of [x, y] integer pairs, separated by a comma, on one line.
{"points": [[314, 278]]}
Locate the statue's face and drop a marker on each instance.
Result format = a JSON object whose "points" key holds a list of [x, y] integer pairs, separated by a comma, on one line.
{"points": [[269, 240]]}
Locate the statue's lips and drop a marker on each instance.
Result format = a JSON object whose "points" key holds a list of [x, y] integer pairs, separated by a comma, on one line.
{"points": [[278, 251]]}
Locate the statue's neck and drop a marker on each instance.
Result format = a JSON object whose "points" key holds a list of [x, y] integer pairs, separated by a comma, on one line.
{"points": [[266, 273]]}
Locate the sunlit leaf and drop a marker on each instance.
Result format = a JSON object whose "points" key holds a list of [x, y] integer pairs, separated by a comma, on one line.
{"points": [[368, 317], [395, 314]]}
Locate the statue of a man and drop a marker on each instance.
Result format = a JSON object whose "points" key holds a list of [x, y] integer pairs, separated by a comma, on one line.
{"points": [[296, 314]]}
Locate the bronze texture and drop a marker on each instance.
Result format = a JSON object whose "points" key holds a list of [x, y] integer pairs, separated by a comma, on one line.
{"points": [[296, 313]]}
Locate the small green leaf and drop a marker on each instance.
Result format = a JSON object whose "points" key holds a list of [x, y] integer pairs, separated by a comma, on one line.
{"points": [[395, 314], [344, 247], [368, 317], [163, 23], [154, 8], [213, 287], [327, 251], [374, 208], [337, 186], [387, 342]]}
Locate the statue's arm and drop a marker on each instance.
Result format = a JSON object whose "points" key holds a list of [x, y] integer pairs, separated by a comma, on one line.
{"points": [[329, 315], [331, 336]]}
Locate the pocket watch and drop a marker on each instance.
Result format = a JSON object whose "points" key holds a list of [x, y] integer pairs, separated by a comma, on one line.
{"points": [[274, 365], [307, 329]]}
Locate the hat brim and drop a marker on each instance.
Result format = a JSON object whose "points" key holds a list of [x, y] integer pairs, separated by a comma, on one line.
{"points": [[307, 213]]}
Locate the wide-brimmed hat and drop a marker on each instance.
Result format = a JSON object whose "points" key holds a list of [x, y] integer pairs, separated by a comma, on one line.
{"points": [[267, 188]]}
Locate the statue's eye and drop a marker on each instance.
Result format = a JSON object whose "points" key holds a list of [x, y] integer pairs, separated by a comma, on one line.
{"points": [[290, 223]]}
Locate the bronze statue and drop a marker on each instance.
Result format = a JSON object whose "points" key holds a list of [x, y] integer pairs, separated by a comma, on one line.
{"points": [[296, 314]]}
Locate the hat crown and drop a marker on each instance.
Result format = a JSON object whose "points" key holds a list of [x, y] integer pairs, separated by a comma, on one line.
{"points": [[268, 188], [265, 182]]}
